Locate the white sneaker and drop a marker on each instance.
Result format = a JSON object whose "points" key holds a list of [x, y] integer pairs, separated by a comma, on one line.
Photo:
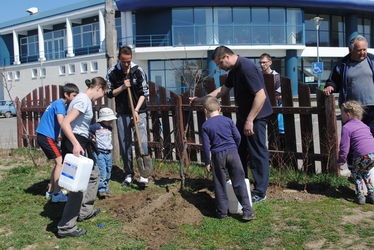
{"points": [[127, 180], [48, 195], [143, 180]]}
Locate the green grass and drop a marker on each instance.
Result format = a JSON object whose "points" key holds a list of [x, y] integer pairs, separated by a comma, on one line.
{"points": [[26, 220]]}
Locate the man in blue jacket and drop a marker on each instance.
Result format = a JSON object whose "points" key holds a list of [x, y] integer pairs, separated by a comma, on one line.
{"points": [[353, 78]]}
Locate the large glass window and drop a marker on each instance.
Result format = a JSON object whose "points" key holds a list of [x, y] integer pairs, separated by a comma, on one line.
{"points": [[224, 23], [178, 75], [54, 44], [29, 48], [202, 31], [260, 28], [364, 28], [331, 33], [183, 18], [337, 31], [277, 28], [237, 25], [86, 38], [294, 29]]}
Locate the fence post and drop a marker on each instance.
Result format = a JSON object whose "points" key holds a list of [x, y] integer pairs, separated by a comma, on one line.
{"points": [[306, 130], [289, 123], [328, 130], [19, 123]]}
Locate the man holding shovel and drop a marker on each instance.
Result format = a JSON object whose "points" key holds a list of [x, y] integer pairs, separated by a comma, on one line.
{"points": [[127, 79]]}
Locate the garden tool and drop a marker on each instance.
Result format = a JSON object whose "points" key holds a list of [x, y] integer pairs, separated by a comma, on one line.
{"points": [[144, 161]]}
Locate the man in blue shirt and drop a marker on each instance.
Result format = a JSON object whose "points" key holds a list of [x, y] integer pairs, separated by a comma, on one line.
{"points": [[48, 131], [253, 110]]}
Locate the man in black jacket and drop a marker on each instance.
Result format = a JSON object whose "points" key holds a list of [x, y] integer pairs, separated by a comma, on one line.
{"points": [[126, 74]]}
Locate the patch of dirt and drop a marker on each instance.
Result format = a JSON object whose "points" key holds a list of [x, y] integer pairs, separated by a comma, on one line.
{"points": [[358, 216], [315, 244], [276, 192], [152, 215]]}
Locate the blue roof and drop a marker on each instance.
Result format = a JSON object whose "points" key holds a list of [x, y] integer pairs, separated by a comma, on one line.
{"points": [[54, 12], [357, 5]]}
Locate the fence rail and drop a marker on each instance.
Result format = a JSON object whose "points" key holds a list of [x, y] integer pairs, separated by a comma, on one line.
{"points": [[168, 114]]}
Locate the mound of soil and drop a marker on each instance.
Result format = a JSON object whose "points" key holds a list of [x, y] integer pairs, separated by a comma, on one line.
{"points": [[154, 214]]}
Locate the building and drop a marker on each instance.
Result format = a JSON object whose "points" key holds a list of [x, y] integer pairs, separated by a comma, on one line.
{"points": [[173, 40]]}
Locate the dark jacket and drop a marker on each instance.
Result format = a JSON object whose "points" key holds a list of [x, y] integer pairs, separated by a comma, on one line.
{"points": [[139, 87], [338, 78]]}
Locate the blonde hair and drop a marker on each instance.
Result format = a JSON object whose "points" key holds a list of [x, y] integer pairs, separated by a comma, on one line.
{"points": [[211, 104], [354, 108]]}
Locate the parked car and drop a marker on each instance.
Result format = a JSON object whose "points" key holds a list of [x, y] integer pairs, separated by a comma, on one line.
{"points": [[7, 108]]}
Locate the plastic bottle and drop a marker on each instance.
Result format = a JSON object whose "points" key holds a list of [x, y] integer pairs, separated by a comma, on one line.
{"points": [[75, 173]]}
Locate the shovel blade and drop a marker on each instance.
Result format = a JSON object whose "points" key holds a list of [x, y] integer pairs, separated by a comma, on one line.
{"points": [[145, 165]]}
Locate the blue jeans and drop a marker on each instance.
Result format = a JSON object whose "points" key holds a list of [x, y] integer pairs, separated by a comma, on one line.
{"points": [[104, 161], [125, 125]]}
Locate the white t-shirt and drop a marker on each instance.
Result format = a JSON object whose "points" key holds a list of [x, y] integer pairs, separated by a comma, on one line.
{"points": [[84, 105]]}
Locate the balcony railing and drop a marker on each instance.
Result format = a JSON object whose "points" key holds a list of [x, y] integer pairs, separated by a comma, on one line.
{"points": [[153, 40]]}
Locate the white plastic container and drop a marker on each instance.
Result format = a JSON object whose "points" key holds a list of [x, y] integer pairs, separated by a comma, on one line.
{"points": [[75, 173], [234, 205]]}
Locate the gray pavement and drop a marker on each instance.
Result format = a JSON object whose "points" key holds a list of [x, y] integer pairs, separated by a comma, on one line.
{"points": [[8, 132]]}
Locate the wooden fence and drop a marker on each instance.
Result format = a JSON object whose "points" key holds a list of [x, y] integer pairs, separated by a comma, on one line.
{"points": [[169, 113], [165, 118]]}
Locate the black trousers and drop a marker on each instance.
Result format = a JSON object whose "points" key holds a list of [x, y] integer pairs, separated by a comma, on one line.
{"points": [[253, 150]]}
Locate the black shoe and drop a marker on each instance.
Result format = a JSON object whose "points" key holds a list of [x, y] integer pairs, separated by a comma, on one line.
{"points": [[102, 194], [248, 216], [222, 216], [95, 212], [78, 232]]}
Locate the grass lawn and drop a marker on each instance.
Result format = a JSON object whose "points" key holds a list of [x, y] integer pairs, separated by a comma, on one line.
{"points": [[288, 219]]}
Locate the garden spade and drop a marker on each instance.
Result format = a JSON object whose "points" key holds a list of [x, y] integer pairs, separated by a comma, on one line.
{"points": [[144, 161]]}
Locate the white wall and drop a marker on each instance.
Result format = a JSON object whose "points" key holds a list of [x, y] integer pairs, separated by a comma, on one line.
{"points": [[27, 83]]}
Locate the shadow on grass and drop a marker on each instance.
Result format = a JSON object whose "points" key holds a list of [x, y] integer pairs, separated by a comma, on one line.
{"points": [[195, 194], [326, 189], [53, 211], [38, 188]]}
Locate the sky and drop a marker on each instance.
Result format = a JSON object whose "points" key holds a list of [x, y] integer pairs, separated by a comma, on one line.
{"points": [[13, 9]]}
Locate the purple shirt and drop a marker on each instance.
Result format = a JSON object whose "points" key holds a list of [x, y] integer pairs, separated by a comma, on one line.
{"points": [[219, 133], [356, 140]]}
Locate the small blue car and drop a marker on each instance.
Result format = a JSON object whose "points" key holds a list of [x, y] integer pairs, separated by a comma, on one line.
{"points": [[7, 108]]}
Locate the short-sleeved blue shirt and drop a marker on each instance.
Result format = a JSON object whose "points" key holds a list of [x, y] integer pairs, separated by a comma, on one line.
{"points": [[48, 124], [247, 79]]}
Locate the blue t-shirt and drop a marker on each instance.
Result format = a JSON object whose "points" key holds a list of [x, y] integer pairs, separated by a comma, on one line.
{"points": [[48, 124], [247, 79]]}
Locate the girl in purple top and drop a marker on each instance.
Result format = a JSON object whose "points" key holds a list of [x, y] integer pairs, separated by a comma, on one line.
{"points": [[357, 142]]}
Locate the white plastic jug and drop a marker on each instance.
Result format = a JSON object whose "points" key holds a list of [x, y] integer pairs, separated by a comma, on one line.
{"points": [[75, 173], [234, 205]]}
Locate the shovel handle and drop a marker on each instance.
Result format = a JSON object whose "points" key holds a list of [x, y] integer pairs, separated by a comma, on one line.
{"points": [[135, 123]]}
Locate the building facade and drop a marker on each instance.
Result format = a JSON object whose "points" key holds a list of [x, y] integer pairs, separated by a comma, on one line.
{"points": [[173, 40]]}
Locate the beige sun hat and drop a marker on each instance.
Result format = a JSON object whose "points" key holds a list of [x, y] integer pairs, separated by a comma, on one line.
{"points": [[106, 114]]}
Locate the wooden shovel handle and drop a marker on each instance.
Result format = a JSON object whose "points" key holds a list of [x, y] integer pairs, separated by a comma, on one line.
{"points": [[135, 123]]}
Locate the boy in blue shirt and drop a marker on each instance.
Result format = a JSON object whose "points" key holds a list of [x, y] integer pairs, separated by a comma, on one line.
{"points": [[221, 139], [48, 131], [102, 134]]}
